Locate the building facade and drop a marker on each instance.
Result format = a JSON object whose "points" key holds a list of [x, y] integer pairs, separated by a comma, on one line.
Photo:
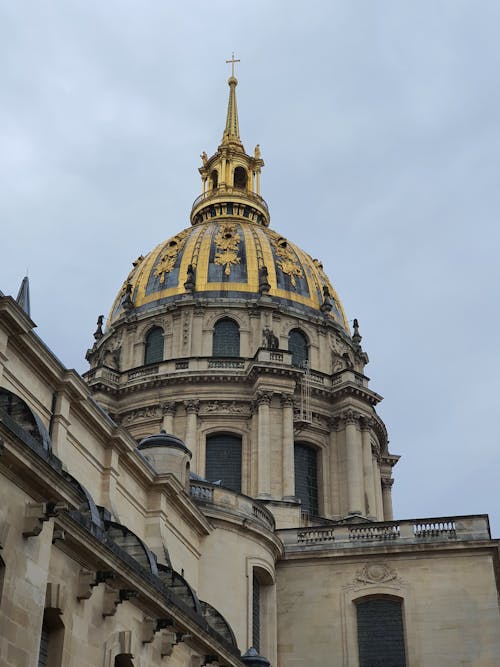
{"points": [[216, 489]]}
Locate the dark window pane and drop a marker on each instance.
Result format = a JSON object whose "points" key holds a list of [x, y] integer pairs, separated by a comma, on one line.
{"points": [[43, 656], [380, 633], [297, 345], [154, 346], [226, 342], [223, 461], [306, 477], [256, 613]]}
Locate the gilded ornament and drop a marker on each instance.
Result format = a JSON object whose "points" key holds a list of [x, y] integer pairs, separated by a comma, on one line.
{"points": [[287, 261], [169, 256], [227, 241]]}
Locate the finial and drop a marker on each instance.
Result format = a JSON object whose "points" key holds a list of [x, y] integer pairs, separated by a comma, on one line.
{"points": [[356, 337], [98, 334], [23, 296], [232, 130], [232, 61]]}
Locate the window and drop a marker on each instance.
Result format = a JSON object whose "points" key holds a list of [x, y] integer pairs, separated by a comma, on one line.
{"points": [[256, 613], [51, 639], [214, 177], [306, 477], [154, 346], [380, 632], [123, 660], [226, 341], [223, 460], [297, 345], [240, 178]]}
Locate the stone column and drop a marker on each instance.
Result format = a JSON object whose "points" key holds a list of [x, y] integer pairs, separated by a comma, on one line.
{"points": [[369, 482], [378, 487], [191, 439], [258, 181], [288, 481], [167, 422], [387, 483], [355, 487], [263, 446], [335, 506]]}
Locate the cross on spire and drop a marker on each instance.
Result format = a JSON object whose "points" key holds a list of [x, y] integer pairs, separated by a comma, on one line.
{"points": [[232, 61]]}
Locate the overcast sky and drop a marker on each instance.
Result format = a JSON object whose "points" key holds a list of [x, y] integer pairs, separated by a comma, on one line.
{"points": [[379, 124]]}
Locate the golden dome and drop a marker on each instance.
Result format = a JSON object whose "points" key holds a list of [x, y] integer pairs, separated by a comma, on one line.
{"points": [[230, 253], [229, 259]]}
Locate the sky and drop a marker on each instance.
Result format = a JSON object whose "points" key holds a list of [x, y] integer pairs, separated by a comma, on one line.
{"points": [[379, 125]]}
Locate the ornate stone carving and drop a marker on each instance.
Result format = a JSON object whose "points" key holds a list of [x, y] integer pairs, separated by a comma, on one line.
{"points": [[287, 261], [366, 423], [168, 408], [147, 412], [225, 407], [376, 573], [387, 482], [351, 416], [227, 241], [269, 340], [264, 398], [192, 406], [286, 400], [169, 256]]}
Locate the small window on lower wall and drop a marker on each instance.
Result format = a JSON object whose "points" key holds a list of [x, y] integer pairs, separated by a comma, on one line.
{"points": [[51, 640], [380, 632]]}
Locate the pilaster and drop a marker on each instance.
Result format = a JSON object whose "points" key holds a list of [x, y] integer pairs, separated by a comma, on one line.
{"points": [[263, 445], [288, 482]]}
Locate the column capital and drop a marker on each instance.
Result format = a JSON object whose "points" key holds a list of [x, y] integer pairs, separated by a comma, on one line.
{"points": [[192, 406], [366, 423], [169, 408], [264, 398], [286, 400], [333, 423], [350, 417], [387, 482]]}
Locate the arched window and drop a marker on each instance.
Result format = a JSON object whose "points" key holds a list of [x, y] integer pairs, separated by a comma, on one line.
{"points": [[306, 477], [380, 632], [240, 178], [223, 460], [226, 341], [214, 177], [123, 660], [297, 345], [154, 346]]}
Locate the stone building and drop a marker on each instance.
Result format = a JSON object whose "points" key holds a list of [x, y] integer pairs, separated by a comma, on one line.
{"points": [[216, 489]]}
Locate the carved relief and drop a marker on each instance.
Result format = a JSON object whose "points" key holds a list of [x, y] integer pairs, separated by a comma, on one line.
{"points": [[287, 261], [227, 241], [376, 573], [148, 412], [169, 255], [225, 407]]}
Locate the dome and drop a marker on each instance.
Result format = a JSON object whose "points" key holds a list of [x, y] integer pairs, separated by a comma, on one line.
{"points": [[229, 255], [233, 259]]}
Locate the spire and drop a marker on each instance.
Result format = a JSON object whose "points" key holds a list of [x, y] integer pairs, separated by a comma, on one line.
{"points": [[23, 296], [232, 129]]}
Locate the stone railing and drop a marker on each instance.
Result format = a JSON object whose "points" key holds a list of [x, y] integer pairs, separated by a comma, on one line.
{"points": [[407, 531], [143, 372], [224, 191], [234, 504]]}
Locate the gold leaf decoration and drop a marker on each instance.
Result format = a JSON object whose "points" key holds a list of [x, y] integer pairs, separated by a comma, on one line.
{"points": [[287, 261], [227, 241], [169, 256]]}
